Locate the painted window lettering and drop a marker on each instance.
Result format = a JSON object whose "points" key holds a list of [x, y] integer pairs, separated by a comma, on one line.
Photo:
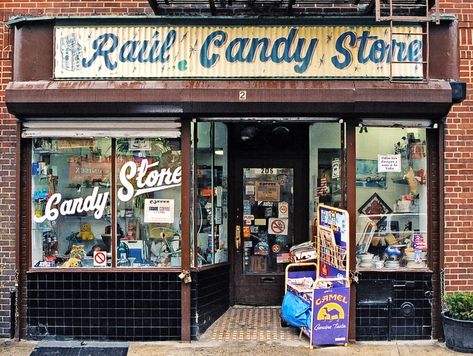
{"points": [[146, 182], [94, 202]]}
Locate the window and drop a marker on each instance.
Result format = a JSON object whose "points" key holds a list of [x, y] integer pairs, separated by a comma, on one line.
{"points": [[72, 205], [148, 202], [211, 242], [325, 166], [391, 195], [71, 201]]}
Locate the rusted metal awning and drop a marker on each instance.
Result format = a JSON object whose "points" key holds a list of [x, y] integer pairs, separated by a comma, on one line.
{"points": [[338, 98]]}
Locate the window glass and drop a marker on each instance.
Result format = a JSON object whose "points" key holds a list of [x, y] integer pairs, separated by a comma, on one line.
{"points": [[268, 218], [391, 195], [325, 166], [71, 202], [212, 192], [148, 231]]}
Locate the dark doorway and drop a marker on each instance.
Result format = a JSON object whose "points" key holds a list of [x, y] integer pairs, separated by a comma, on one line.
{"points": [[269, 206]]}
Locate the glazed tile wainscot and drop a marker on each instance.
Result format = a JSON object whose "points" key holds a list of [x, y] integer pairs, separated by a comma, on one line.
{"points": [[137, 306], [409, 315]]}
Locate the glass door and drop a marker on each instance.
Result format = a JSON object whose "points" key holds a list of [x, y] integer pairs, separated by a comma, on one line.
{"points": [[267, 218]]}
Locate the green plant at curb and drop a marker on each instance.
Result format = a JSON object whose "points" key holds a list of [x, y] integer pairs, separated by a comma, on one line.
{"points": [[459, 305]]}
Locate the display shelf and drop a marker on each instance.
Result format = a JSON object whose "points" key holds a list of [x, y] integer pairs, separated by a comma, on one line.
{"points": [[400, 269]]}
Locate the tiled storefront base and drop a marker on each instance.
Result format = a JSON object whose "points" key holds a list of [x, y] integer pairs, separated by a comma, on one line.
{"points": [[131, 306], [411, 312], [104, 306], [250, 323]]}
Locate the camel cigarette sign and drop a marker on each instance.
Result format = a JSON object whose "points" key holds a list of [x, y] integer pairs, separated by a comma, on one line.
{"points": [[330, 316]]}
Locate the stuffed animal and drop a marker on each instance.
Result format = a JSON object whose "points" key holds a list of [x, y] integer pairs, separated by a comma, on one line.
{"points": [[77, 251], [72, 262], [85, 233]]}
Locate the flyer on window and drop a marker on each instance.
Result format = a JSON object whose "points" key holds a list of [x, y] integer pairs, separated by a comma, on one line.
{"points": [[159, 211]]}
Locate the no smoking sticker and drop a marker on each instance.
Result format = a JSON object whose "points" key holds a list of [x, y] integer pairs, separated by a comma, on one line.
{"points": [[277, 226], [100, 259], [283, 210]]}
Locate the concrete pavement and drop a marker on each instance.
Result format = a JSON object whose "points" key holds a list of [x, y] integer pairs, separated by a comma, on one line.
{"points": [[278, 348]]}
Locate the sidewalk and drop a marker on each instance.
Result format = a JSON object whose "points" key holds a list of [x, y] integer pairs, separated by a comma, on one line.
{"points": [[217, 348]]}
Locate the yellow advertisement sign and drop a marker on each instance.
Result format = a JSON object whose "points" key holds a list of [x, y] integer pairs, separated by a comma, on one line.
{"points": [[216, 52]]}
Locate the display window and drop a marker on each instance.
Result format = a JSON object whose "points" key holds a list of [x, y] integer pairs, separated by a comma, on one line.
{"points": [[326, 166], [391, 198], [211, 193], [148, 202], [73, 209]]}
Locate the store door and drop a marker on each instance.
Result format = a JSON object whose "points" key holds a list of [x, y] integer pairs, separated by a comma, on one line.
{"points": [[269, 219]]}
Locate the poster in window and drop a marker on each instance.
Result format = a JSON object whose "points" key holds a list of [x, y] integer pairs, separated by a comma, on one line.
{"points": [[159, 211], [139, 144], [267, 191]]}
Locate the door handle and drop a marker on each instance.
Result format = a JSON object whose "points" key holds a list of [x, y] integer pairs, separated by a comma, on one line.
{"points": [[268, 279], [237, 237]]}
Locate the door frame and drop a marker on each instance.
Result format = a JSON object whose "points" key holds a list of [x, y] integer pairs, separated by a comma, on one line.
{"points": [[267, 157]]}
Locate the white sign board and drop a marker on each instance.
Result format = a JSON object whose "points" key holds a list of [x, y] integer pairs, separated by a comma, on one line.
{"points": [[159, 211], [277, 226], [100, 259], [389, 163]]}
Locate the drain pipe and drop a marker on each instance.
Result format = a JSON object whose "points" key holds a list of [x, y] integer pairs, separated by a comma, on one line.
{"points": [[12, 312]]}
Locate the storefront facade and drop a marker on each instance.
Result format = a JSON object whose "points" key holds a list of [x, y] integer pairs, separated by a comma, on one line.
{"points": [[168, 165]]}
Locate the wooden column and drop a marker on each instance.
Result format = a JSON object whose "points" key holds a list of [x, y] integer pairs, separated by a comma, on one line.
{"points": [[351, 207], [185, 226]]}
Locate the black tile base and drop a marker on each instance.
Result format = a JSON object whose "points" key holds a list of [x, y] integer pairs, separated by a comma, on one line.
{"points": [[104, 306], [415, 323]]}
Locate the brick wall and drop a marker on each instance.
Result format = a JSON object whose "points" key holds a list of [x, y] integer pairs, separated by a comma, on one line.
{"points": [[459, 163], [7, 185]]}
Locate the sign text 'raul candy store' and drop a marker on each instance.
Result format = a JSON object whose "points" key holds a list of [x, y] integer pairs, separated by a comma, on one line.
{"points": [[303, 49]]}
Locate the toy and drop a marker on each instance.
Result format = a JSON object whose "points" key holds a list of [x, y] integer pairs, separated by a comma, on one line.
{"points": [[72, 262], [410, 178], [85, 233], [77, 251]]}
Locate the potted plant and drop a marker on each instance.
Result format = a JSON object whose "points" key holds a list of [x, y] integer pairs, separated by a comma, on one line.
{"points": [[458, 321]]}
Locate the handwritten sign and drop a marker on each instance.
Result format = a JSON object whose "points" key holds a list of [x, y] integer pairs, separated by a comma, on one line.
{"points": [[267, 191], [389, 163]]}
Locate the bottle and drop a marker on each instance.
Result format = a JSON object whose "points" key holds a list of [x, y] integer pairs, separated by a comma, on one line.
{"points": [[122, 251]]}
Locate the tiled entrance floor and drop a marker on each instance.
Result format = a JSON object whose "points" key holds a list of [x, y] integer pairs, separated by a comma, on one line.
{"points": [[250, 323]]}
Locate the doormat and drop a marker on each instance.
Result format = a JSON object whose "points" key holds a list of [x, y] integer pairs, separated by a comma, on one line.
{"points": [[75, 348]]}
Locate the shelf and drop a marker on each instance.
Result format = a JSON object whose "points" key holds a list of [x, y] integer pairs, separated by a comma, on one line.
{"points": [[400, 269]]}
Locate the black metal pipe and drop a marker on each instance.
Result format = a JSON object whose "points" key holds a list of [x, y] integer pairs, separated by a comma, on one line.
{"points": [[390, 303], [12, 312]]}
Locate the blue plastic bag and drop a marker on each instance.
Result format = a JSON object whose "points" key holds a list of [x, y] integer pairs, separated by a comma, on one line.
{"points": [[295, 311]]}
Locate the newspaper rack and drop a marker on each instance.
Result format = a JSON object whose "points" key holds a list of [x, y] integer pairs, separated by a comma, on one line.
{"points": [[321, 290]]}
